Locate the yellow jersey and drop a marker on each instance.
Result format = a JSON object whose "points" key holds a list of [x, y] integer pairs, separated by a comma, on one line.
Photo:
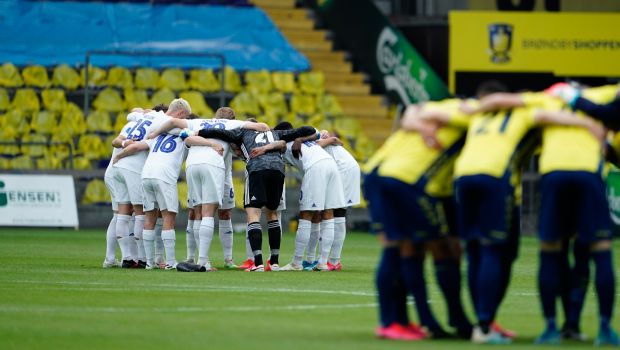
{"points": [[568, 148], [495, 139]]}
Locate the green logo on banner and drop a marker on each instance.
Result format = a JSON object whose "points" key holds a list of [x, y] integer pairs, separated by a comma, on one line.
{"points": [[3, 197], [613, 196]]}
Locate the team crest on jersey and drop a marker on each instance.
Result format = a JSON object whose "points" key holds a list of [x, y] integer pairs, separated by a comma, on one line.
{"points": [[500, 42]]}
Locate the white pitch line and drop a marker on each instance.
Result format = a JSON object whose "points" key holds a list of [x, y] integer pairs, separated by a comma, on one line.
{"points": [[182, 309]]}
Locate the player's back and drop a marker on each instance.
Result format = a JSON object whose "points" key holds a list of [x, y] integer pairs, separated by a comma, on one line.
{"points": [[253, 139], [205, 154], [144, 124], [165, 157], [343, 158], [311, 153]]}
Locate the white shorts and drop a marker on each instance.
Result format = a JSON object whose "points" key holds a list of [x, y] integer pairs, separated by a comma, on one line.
{"points": [[282, 205], [161, 195], [228, 196], [108, 179], [127, 186], [321, 187], [205, 184], [351, 185]]}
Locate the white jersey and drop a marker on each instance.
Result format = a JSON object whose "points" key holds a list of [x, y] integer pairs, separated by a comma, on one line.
{"points": [[124, 132], [165, 158], [144, 125], [207, 155], [343, 158], [311, 153]]}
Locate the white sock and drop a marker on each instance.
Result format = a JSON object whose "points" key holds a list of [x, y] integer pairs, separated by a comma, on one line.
{"points": [[315, 230], [226, 237], [148, 242], [207, 226], [248, 249], [196, 233], [159, 243], [340, 232], [110, 240], [169, 237], [301, 240], [327, 239], [138, 228], [122, 235], [189, 240], [133, 245]]}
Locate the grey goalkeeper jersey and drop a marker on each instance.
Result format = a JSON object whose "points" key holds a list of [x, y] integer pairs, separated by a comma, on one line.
{"points": [[247, 140]]}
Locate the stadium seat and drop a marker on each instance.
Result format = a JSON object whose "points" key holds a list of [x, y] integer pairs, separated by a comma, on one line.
{"points": [[49, 162], [16, 120], [43, 122], [91, 147], [164, 96], [136, 98], [258, 81], [147, 78], [99, 122], [197, 101], [273, 104], [347, 126], [72, 120], [96, 76], [108, 100], [245, 103], [284, 81], [303, 104], [96, 193], [182, 190], [36, 76], [232, 82], [26, 100], [8, 134], [203, 80], [120, 77], [65, 140], [9, 76], [5, 163], [239, 186], [66, 77], [173, 79], [54, 99], [80, 163], [34, 150], [5, 101], [22, 162], [328, 104], [311, 82], [119, 122]]}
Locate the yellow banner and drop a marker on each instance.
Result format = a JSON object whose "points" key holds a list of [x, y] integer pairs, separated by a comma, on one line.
{"points": [[565, 44]]}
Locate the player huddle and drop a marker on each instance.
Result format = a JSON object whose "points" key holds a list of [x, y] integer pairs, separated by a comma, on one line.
{"points": [[452, 173], [146, 164]]}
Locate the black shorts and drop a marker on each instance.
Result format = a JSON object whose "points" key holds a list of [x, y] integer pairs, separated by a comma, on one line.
{"points": [[263, 188]]}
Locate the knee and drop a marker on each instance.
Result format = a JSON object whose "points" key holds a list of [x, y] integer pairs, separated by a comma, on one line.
{"points": [[224, 214]]}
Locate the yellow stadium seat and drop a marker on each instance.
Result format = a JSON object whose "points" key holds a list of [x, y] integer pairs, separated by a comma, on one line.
{"points": [[164, 96], [245, 103], [258, 81], [99, 122], [232, 82], [80, 163], [26, 100], [96, 76], [54, 99], [5, 102], [49, 162], [22, 162], [197, 101], [96, 193], [8, 134], [120, 77], [4, 163], [173, 79], [66, 77], [65, 140], [273, 104], [147, 78], [9, 76], [239, 186], [72, 120], [36, 76], [203, 80], [284, 81], [34, 150], [312, 82], [182, 190], [121, 120], [90, 146], [109, 100], [303, 104], [107, 143], [270, 120], [238, 165], [16, 120], [347, 126], [315, 119], [328, 104], [43, 122], [136, 98]]}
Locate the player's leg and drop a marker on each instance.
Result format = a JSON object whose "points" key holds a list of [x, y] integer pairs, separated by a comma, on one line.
{"points": [[275, 185], [190, 242], [125, 210], [136, 226], [330, 197], [313, 242], [225, 229], [301, 241], [110, 252], [138, 229], [351, 189], [159, 243], [578, 286], [207, 228], [149, 238], [168, 200], [340, 233]]}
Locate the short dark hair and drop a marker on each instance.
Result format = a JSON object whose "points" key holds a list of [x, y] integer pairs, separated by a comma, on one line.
{"points": [[161, 108], [488, 87], [225, 113], [283, 126]]}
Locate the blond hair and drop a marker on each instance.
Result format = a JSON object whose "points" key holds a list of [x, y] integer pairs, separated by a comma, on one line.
{"points": [[225, 113], [179, 104]]}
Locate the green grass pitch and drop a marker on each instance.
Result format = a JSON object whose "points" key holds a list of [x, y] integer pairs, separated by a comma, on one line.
{"points": [[55, 295]]}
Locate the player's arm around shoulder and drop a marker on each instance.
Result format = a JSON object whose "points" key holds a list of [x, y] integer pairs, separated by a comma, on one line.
{"points": [[279, 146], [200, 141], [130, 149], [567, 118], [260, 127]]}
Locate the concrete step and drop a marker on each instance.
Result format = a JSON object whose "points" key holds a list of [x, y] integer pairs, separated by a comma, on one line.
{"points": [[347, 89], [331, 66], [311, 45], [361, 101], [305, 35], [298, 24], [364, 112], [344, 78], [335, 56], [280, 4], [279, 14]]}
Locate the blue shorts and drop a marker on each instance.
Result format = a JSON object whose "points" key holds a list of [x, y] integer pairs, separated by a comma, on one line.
{"points": [[485, 207], [449, 209], [574, 202], [371, 189]]}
